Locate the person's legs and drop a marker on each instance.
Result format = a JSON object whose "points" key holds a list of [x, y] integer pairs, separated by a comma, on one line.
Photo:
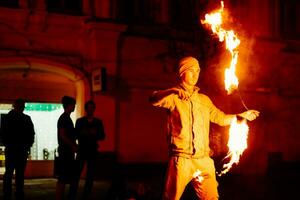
{"points": [[61, 168], [207, 188], [178, 176], [60, 190], [74, 173], [89, 180], [8, 175], [21, 160]]}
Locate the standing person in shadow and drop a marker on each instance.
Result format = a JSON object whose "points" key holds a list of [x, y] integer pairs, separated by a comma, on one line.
{"points": [[90, 132], [18, 136], [65, 164]]}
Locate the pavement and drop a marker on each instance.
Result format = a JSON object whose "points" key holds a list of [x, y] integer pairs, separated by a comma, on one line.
{"points": [[145, 182], [230, 188], [44, 189]]}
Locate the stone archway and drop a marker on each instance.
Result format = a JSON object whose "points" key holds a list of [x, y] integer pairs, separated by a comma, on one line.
{"points": [[47, 69]]}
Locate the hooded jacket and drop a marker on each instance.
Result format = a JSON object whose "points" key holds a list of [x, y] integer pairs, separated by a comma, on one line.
{"points": [[188, 123]]}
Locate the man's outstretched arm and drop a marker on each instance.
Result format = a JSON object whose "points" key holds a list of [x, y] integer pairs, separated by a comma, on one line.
{"points": [[161, 94], [219, 117]]}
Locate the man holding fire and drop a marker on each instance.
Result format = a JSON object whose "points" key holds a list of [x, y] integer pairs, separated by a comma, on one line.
{"points": [[189, 115]]}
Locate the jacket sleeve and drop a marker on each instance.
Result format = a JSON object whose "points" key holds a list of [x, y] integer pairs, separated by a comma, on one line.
{"points": [[217, 116], [166, 102]]}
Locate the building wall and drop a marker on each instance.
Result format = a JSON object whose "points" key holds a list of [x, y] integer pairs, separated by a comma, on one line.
{"points": [[140, 60], [37, 40]]}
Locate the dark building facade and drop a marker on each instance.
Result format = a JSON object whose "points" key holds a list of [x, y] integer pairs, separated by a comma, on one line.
{"points": [[50, 48]]}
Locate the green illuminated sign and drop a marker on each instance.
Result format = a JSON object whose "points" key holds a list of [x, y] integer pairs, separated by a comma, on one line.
{"points": [[42, 106]]}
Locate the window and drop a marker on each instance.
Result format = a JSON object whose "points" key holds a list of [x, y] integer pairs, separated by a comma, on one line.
{"points": [[72, 7], [290, 19], [44, 117], [138, 11], [184, 14], [9, 3]]}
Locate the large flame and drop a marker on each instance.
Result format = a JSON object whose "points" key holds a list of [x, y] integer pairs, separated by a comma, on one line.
{"points": [[238, 132], [214, 20], [237, 143]]}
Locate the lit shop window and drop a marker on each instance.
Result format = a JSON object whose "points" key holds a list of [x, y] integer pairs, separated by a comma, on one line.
{"points": [[44, 117]]}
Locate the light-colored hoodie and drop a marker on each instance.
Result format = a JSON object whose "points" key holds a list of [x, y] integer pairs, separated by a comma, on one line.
{"points": [[188, 123]]}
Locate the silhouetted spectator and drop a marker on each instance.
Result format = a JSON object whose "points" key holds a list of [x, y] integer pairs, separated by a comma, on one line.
{"points": [[65, 164], [90, 131], [18, 136]]}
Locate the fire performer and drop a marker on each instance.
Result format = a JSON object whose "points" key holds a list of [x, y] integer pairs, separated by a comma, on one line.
{"points": [[189, 115]]}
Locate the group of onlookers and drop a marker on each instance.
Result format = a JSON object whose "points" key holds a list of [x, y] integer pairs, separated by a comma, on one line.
{"points": [[77, 146]]}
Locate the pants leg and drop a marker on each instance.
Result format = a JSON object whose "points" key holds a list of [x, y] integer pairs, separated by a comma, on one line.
{"points": [[74, 182], [178, 176], [8, 175], [89, 180], [206, 189], [21, 161]]}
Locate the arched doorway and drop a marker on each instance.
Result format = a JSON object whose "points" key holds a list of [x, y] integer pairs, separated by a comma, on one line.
{"points": [[44, 81], [20, 73]]}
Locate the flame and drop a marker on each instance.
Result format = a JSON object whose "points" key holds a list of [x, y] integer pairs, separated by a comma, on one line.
{"points": [[238, 132], [237, 143], [198, 176], [232, 42]]}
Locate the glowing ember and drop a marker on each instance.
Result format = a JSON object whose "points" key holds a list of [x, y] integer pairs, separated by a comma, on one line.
{"points": [[232, 42], [197, 176], [237, 143]]}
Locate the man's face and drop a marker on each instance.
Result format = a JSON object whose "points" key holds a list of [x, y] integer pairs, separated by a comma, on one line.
{"points": [[72, 107], [190, 76], [90, 109]]}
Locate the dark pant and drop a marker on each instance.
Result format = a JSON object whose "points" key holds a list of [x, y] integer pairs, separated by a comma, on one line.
{"points": [[15, 159], [89, 179], [65, 169]]}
